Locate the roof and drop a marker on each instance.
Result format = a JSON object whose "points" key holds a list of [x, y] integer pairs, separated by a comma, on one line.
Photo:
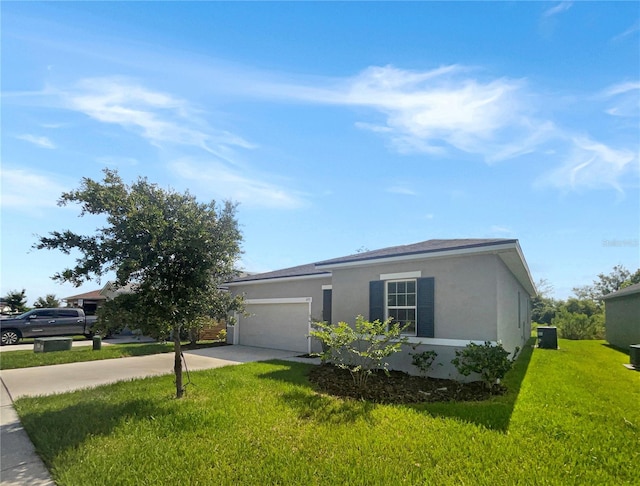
{"points": [[509, 252], [93, 295], [429, 246], [630, 290], [307, 270]]}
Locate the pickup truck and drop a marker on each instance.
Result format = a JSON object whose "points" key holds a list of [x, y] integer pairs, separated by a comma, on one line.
{"points": [[43, 322]]}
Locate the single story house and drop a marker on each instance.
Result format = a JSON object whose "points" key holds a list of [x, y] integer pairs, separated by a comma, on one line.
{"points": [[449, 292], [622, 316], [89, 301]]}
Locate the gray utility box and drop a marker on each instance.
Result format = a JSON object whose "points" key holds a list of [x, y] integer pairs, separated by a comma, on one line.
{"points": [[44, 345], [547, 337], [634, 356]]}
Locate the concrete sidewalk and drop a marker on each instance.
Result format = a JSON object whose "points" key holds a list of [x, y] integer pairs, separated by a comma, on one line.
{"points": [[21, 465]]}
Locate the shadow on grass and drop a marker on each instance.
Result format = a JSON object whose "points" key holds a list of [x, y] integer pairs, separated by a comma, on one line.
{"points": [[56, 431], [617, 348], [494, 414]]}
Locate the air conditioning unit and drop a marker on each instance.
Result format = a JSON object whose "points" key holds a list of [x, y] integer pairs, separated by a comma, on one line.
{"points": [[634, 356], [547, 337]]}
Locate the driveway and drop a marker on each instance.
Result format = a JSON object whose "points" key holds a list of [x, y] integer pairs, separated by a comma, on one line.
{"points": [[45, 380]]}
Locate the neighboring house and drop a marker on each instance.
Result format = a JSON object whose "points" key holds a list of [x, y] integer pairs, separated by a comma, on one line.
{"points": [[622, 316], [450, 292], [89, 301]]}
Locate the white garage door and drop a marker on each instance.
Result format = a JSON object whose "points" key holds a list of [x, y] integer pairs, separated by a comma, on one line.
{"points": [[277, 324]]}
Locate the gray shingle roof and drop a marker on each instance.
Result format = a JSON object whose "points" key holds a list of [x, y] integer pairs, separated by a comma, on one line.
{"points": [[299, 271], [430, 246], [631, 289]]}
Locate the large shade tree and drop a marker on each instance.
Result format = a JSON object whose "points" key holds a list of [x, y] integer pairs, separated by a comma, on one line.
{"points": [[174, 251]]}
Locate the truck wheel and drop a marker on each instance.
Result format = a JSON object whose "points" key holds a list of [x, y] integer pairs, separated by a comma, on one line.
{"points": [[9, 336]]}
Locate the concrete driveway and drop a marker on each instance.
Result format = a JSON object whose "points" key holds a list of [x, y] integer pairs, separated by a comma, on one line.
{"points": [[19, 462]]}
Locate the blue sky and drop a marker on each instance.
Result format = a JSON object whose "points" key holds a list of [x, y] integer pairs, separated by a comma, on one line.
{"points": [[335, 126]]}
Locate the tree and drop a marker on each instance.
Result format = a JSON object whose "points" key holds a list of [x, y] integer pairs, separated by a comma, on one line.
{"points": [[48, 301], [605, 284], [174, 250], [543, 306], [17, 300]]}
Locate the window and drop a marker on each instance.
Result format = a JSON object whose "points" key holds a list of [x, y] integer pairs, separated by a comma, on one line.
{"points": [[401, 304], [409, 301]]}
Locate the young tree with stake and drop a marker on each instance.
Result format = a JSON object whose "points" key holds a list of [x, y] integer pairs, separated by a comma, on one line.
{"points": [[174, 250]]}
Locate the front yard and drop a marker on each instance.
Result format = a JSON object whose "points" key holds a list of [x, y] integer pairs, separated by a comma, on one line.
{"points": [[570, 416]]}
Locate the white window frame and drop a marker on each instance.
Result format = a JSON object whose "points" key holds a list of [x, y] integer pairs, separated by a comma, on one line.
{"points": [[414, 307]]}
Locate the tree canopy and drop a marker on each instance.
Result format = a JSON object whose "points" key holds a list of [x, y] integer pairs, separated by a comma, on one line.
{"points": [[174, 251], [17, 300], [49, 300]]}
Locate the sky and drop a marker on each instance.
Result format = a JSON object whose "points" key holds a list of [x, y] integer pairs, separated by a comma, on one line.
{"points": [[336, 127]]}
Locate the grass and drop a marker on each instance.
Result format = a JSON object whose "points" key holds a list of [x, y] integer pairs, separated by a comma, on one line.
{"points": [[571, 417], [27, 358]]}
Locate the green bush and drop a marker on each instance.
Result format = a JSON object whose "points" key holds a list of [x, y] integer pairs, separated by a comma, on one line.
{"points": [[573, 325], [424, 360], [360, 349], [490, 361]]}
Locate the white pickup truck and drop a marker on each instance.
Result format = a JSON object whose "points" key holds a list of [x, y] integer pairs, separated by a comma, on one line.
{"points": [[60, 321]]}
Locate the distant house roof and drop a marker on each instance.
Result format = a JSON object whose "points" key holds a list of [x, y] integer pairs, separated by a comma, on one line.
{"points": [[515, 261], [631, 289], [93, 295]]}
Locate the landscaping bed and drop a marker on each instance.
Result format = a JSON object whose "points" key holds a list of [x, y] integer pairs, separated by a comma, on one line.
{"points": [[398, 387]]}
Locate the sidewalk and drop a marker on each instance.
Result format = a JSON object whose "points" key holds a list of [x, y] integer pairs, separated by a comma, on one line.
{"points": [[19, 463]]}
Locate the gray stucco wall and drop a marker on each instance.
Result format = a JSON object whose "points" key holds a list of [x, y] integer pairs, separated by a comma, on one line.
{"points": [[465, 293], [513, 309], [623, 320]]}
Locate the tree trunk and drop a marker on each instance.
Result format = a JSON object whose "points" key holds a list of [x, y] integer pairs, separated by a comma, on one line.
{"points": [[177, 365]]}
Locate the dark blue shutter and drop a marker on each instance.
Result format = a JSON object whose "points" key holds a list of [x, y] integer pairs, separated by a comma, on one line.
{"points": [[326, 305], [426, 307], [376, 300]]}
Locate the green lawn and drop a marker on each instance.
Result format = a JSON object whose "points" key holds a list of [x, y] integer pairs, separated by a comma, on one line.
{"points": [[27, 358], [572, 417]]}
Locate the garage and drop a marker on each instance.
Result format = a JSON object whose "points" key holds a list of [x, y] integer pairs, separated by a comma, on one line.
{"points": [[276, 323]]}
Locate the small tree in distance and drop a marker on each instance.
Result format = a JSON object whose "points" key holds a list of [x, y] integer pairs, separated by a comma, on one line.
{"points": [[48, 301], [174, 250], [17, 300]]}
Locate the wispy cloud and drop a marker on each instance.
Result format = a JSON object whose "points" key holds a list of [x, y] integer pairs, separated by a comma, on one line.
{"points": [[28, 191], [631, 30], [441, 111], [406, 191], [624, 99], [557, 9], [43, 142], [591, 164], [226, 182], [158, 117], [500, 230]]}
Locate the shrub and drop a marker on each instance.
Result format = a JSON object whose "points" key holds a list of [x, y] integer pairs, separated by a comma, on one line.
{"points": [[490, 361], [360, 349], [573, 325], [424, 360]]}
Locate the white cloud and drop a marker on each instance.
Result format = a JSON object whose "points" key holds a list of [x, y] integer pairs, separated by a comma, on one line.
{"points": [[500, 230], [406, 191], [631, 30], [624, 99], [158, 117], [229, 183], [43, 142], [28, 191], [561, 7], [591, 164]]}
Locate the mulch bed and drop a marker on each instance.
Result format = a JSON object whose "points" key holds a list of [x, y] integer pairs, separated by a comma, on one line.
{"points": [[397, 387]]}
